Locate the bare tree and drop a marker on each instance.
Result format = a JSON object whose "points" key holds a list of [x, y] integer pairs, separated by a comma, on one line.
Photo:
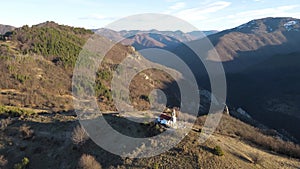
{"points": [[79, 135]]}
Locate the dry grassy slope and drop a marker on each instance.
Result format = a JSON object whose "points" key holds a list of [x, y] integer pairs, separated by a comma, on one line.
{"points": [[43, 82], [52, 144], [237, 153], [241, 155], [256, 35], [32, 81], [231, 44], [237, 148]]}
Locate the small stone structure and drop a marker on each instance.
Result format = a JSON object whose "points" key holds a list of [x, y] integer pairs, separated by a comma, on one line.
{"points": [[226, 110]]}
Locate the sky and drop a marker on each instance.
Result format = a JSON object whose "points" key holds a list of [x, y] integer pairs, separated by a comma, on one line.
{"points": [[93, 14]]}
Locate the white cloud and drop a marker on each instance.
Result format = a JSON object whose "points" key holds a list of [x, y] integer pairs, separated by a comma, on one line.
{"points": [[177, 6], [200, 13], [281, 11], [211, 16], [171, 0], [243, 17], [288, 7]]}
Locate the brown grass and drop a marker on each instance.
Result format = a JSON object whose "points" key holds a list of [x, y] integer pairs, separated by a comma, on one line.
{"points": [[88, 162], [231, 126]]}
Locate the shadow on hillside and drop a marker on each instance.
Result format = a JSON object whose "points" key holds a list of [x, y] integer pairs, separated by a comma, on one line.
{"points": [[208, 149], [131, 128], [256, 77], [275, 78], [51, 143]]}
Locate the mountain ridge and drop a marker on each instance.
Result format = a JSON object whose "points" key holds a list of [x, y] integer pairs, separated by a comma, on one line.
{"points": [[152, 38], [5, 28], [253, 36]]}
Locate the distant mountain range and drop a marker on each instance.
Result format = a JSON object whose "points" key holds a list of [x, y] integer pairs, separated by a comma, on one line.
{"points": [[153, 38], [5, 28]]}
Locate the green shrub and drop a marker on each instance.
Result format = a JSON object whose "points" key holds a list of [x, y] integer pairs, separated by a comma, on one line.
{"points": [[23, 165], [218, 151], [156, 166], [21, 78], [51, 41], [104, 75], [11, 68], [8, 111], [102, 90]]}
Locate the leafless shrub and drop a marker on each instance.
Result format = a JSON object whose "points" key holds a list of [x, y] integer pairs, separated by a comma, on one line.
{"points": [[256, 158], [79, 135], [26, 132], [88, 162], [3, 161], [272, 143], [4, 123]]}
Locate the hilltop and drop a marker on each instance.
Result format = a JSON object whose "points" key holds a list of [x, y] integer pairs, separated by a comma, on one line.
{"points": [[37, 64]]}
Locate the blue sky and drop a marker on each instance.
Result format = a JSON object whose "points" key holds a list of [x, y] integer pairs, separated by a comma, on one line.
{"points": [[203, 14]]}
